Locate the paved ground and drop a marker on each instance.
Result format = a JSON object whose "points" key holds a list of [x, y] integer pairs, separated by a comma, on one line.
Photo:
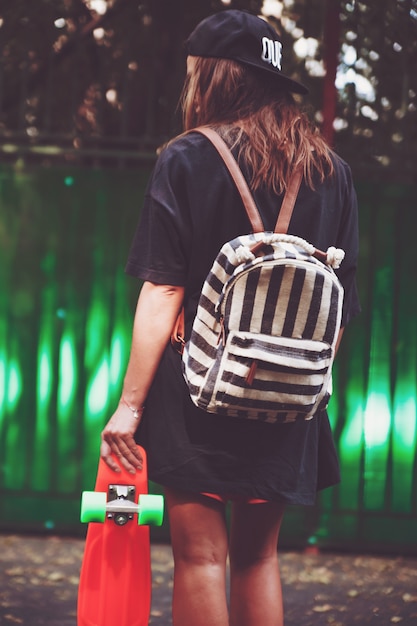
{"points": [[39, 579]]}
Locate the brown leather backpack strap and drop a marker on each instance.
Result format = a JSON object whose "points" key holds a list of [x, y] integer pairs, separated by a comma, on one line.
{"points": [[235, 172], [288, 202], [255, 219], [178, 332]]}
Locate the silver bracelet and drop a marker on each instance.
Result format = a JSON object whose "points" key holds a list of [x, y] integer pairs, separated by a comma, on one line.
{"points": [[136, 412]]}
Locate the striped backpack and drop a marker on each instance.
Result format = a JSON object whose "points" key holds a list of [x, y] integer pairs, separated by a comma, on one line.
{"points": [[263, 340]]}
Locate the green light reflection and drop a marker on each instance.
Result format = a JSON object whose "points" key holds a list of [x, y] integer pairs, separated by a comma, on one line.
{"points": [[97, 393], [67, 375], [3, 382], [350, 453], [116, 359], [14, 387], [377, 420], [403, 452], [405, 427], [45, 377]]}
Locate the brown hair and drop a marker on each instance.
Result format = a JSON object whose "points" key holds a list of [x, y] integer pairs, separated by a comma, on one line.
{"points": [[272, 134]]}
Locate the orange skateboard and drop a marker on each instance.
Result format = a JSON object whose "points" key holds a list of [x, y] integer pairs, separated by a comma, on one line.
{"points": [[115, 580]]}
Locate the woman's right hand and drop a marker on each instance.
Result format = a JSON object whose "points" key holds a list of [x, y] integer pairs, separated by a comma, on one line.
{"points": [[117, 440]]}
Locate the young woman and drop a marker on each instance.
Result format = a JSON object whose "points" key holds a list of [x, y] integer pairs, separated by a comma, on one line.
{"points": [[235, 85]]}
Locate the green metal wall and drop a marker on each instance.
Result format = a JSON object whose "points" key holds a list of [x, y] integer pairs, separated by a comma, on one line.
{"points": [[373, 412], [65, 321], [66, 309]]}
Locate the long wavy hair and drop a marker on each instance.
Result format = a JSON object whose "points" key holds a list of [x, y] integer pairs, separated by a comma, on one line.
{"points": [[272, 134]]}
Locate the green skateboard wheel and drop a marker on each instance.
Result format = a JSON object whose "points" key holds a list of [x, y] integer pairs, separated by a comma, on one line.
{"points": [[93, 506], [151, 509]]}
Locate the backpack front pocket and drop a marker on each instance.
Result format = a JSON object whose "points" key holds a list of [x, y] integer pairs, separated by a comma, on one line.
{"points": [[261, 373]]}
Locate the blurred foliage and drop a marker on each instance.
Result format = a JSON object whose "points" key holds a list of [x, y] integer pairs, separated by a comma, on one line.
{"points": [[382, 130], [80, 78]]}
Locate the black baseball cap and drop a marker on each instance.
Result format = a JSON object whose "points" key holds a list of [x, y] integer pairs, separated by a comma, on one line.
{"points": [[242, 37]]}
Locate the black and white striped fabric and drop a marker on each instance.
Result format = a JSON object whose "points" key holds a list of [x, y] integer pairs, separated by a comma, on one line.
{"points": [[263, 340]]}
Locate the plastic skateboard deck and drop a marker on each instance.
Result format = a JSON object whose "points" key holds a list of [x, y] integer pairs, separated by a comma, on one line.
{"points": [[115, 580]]}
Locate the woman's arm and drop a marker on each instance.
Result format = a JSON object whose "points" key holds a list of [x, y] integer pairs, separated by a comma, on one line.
{"points": [[156, 312]]}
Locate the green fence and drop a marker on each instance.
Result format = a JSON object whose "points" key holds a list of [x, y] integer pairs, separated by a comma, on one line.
{"points": [[66, 310]]}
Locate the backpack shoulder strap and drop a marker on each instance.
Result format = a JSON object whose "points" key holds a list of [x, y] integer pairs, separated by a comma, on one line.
{"points": [[288, 202], [237, 176], [242, 186]]}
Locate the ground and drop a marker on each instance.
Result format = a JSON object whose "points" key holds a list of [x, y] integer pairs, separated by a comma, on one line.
{"points": [[39, 580]]}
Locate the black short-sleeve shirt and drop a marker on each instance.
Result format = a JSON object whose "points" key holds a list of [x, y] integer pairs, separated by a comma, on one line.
{"points": [[191, 209]]}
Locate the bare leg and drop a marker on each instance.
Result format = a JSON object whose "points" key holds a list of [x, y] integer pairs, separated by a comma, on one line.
{"points": [[255, 595], [199, 544]]}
